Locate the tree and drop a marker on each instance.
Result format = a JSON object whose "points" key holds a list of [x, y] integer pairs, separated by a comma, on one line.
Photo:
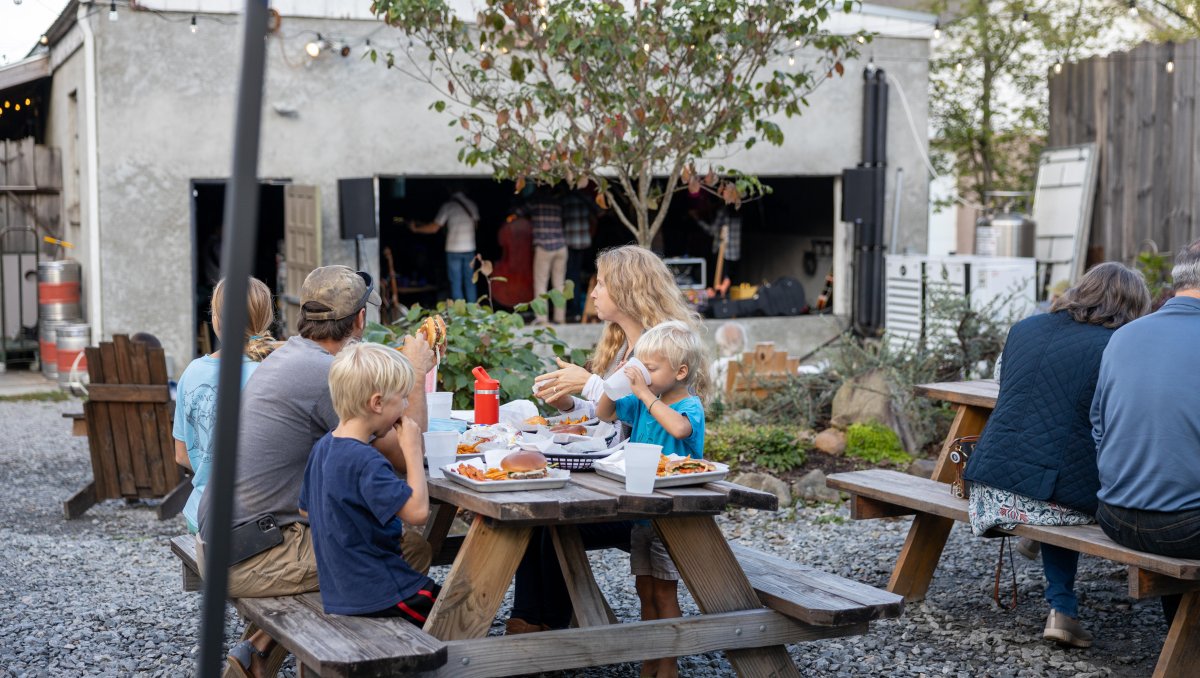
{"points": [[988, 82], [628, 96], [1169, 20]]}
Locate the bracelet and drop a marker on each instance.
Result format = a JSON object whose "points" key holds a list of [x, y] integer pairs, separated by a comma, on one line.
{"points": [[651, 408]]}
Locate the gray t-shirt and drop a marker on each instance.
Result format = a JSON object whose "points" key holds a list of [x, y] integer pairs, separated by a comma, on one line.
{"points": [[286, 408]]}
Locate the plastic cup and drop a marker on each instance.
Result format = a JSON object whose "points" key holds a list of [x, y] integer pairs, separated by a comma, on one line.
{"points": [[437, 404], [617, 386], [641, 467], [440, 450]]}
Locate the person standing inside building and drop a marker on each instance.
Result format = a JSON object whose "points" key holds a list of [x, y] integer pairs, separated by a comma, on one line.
{"points": [[726, 216], [579, 223], [460, 217], [549, 247]]}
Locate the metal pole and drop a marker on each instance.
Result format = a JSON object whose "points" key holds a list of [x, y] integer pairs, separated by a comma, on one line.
{"points": [[896, 209], [237, 252]]}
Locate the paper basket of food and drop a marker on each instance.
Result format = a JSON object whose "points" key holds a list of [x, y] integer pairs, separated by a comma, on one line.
{"points": [[673, 470], [522, 470]]}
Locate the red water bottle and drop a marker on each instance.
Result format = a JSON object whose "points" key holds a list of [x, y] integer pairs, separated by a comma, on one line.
{"points": [[487, 397]]}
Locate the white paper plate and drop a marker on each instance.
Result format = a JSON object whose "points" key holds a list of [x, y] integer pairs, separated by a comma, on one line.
{"points": [[618, 473], [555, 478]]}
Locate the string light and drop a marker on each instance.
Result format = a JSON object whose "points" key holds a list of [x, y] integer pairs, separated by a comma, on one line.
{"points": [[112, 11], [27, 101], [1057, 67], [17, 107], [937, 30], [44, 39], [1170, 67], [1133, 10], [862, 39], [193, 26], [791, 61], [958, 67], [314, 48], [1023, 24]]}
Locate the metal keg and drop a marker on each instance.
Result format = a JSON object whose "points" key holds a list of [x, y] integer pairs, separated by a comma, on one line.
{"points": [[58, 290], [47, 347], [70, 340]]}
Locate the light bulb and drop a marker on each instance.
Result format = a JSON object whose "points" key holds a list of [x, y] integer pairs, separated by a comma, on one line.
{"points": [[958, 67], [937, 30], [193, 26], [410, 47], [8, 104], [1170, 66], [44, 40], [1133, 10], [791, 61], [112, 11], [862, 39], [449, 50], [17, 107], [27, 100], [313, 49], [1057, 67], [797, 42], [646, 47]]}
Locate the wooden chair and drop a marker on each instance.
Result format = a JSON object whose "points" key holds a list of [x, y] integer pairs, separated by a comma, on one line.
{"points": [[759, 372], [128, 413]]}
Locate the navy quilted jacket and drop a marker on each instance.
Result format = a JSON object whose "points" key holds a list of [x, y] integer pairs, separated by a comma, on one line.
{"points": [[1038, 441]]}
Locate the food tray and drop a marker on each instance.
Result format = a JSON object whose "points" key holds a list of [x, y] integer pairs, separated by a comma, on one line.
{"points": [[556, 478], [576, 462], [460, 458], [670, 481]]}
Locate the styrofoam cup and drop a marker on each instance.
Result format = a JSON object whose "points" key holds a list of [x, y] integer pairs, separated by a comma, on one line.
{"points": [[437, 404], [641, 467], [617, 386], [440, 450]]}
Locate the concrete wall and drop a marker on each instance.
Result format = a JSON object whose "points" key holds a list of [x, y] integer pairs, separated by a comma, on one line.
{"points": [[166, 107]]}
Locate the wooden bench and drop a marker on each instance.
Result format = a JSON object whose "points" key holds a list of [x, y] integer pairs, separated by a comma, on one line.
{"points": [[880, 493], [333, 645]]}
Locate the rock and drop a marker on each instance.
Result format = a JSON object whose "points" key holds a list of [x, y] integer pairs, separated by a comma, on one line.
{"points": [[922, 468], [744, 416], [766, 483], [868, 398], [811, 487], [830, 441]]}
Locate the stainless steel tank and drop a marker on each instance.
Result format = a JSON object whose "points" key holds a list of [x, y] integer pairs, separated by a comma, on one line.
{"points": [[1008, 234]]}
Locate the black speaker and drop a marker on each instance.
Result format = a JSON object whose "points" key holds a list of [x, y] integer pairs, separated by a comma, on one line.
{"points": [[356, 208], [858, 191], [785, 296]]}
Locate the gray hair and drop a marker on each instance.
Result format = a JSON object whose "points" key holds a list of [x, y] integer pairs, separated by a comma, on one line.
{"points": [[1186, 272]]}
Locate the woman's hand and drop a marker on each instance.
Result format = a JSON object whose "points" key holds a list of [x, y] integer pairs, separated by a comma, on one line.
{"points": [[556, 387]]}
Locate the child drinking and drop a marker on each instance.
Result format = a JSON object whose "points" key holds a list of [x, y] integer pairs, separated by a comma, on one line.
{"points": [[355, 503], [196, 401], [666, 412]]}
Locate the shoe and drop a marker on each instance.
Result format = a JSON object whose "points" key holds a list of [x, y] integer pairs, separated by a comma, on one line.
{"points": [[1066, 631], [240, 656], [1029, 548], [516, 625]]}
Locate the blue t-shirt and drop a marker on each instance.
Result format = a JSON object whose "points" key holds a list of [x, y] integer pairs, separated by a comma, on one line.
{"points": [[646, 428], [352, 495], [196, 421]]}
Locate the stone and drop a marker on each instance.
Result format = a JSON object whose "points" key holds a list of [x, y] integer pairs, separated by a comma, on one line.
{"points": [[744, 416], [766, 482], [830, 441], [811, 487], [922, 468], [868, 398]]}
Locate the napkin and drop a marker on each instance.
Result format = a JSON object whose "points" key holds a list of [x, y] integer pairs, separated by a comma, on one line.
{"points": [[516, 412]]}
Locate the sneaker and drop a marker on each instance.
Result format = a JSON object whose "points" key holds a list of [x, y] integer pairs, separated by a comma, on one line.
{"points": [[1066, 631], [516, 625], [1029, 548]]}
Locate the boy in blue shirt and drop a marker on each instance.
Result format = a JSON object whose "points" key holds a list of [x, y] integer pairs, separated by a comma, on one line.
{"points": [[668, 412], [355, 503]]}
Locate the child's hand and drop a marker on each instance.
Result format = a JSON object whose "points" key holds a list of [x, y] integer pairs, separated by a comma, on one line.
{"points": [[410, 439], [637, 381]]}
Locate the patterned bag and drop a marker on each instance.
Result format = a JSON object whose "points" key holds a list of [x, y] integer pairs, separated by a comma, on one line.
{"points": [[960, 452]]}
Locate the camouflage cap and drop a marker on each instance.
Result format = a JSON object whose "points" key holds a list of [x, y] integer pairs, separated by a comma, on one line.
{"points": [[340, 289]]}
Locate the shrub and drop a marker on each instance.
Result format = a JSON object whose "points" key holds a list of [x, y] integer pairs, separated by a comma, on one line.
{"points": [[875, 443], [771, 447]]}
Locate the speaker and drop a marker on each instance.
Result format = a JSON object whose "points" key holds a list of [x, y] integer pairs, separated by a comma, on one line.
{"points": [[356, 208], [858, 193], [785, 296]]}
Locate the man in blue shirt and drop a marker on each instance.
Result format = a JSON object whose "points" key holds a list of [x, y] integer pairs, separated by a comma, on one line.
{"points": [[1147, 432]]}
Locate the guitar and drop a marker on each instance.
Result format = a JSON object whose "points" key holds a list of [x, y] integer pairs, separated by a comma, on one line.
{"points": [[825, 298], [394, 305], [720, 286]]}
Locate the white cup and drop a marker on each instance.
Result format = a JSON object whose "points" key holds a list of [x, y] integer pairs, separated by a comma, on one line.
{"points": [[437, 404], [617, 386], [641, 467], [441, 448]]}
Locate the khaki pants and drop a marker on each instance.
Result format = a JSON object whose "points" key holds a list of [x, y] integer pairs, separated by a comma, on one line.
{"points": [[550, 266]]}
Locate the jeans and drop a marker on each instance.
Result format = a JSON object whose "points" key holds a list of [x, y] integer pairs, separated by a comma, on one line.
{"points": [[540, 596], [1060, 566], [549, 272], [1175, 534], [458, 268], [575, 275]]}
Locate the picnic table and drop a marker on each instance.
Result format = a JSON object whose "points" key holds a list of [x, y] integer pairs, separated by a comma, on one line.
{"points": [[879, 493], [753, 603]]}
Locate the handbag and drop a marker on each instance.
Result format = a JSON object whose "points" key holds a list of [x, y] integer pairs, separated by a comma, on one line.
{"points": [[960, 452]]}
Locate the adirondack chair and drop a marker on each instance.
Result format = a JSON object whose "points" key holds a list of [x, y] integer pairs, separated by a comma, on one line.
{"points": [[128, 416], [759, 372]]}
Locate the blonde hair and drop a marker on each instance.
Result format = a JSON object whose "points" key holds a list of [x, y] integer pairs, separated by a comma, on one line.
{"points": [[642, 287], [363, 369], [260, 317], [678, 344]]}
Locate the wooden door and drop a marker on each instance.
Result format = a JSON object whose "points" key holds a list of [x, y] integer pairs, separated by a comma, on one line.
{"points": [[301, 245]]}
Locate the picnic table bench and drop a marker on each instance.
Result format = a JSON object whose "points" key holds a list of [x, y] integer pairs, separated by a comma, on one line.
{"points": [[880, 493], [752, 602]]}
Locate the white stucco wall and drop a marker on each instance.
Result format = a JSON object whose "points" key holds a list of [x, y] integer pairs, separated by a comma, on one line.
{"points": [[166, 107]]}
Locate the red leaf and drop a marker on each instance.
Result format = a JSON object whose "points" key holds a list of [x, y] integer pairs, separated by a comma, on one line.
{"points": [[841, 70], [520, 185], [601, 202], [502, 117]]}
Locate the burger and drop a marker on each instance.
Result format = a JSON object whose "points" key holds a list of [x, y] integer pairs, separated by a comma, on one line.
{"points": [[684, 466], [434, 328], [524, 465]]}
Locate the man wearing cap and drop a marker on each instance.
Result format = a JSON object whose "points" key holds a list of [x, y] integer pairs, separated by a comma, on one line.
{"points": [[286, 408]]}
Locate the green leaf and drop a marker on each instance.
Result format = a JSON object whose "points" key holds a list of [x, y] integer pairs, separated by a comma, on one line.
{"points": [[539, 306], [439, 106]]}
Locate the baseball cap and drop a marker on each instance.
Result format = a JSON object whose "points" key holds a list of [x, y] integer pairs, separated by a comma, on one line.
{"points": [[341, 289]]}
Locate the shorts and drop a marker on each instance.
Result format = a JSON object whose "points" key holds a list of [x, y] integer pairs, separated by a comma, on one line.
{"points": [[415, 608], [648, 556]]}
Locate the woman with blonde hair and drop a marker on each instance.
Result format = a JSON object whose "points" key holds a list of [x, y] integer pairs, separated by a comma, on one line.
{"points": [[634, 292]]}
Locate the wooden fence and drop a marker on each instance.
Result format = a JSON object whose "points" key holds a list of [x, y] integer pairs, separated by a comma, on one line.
{"points": [[1142, 116]]}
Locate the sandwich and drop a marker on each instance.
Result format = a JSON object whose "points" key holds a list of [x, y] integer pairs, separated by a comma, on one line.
{"points": [[537, 420], [434, 328], [524, 465], [689, 466]]}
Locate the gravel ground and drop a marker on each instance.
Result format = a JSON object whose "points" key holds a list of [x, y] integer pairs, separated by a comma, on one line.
{"points": [[101, 595]]}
